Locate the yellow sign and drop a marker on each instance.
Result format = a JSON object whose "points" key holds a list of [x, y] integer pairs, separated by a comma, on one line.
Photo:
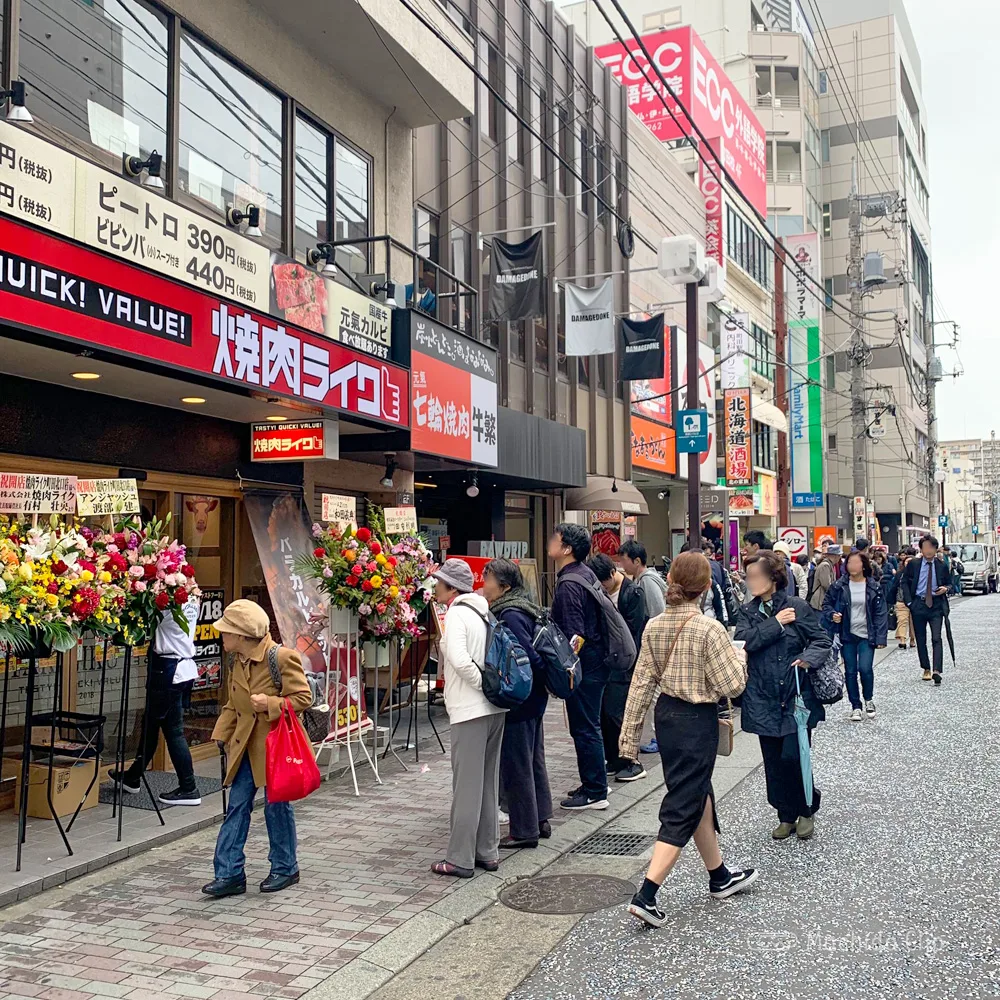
{"points": [[768, 494]]}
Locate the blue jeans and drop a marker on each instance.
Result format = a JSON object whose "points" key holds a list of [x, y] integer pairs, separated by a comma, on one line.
{"points": [[583, 710], [859, 657], [280, 820]]}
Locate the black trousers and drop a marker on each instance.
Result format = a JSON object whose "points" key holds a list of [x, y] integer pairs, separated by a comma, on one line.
{"points": [[164, 711], [921, 616], [523, 777], [612, 716], [583, 710], [783, 774]]}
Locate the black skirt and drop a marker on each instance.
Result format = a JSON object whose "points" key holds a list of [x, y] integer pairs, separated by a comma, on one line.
{"points": [[688, 736]]}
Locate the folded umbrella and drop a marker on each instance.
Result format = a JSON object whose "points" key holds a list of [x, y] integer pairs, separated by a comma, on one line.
{"points": [[801, 714]]}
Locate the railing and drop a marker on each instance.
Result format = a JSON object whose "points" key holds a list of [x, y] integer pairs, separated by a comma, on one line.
{"points": [[784, 176], [778, 101], [429, 287]]}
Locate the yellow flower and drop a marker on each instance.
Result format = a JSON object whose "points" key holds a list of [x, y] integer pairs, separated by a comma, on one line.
{"points": [[376, 581], [4, 612], [380, 559], [51, 600], [86, 576], [394, 591], [24, 571], [104, 576]]}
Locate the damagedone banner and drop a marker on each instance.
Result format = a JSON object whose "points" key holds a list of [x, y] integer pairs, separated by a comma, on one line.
{"points": [[517, 280]]}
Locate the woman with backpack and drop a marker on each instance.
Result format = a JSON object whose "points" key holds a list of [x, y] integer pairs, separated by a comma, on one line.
{"points": [[476, 727], [522, 756], [255, 701], [783, 635], [855, 609], [689, 660]]}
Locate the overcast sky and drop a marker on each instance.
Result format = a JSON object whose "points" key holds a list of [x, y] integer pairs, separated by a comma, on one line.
{"points": [[958, 44]]}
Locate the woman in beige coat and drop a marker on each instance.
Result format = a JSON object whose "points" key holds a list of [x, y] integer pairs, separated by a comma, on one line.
{"points": [[254, 703]]}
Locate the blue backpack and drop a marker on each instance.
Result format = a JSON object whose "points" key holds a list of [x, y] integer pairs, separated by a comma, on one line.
{"points": [[507, 674]]}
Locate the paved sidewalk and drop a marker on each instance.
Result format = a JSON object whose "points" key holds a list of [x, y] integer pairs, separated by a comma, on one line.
{"points": [[894, 896], [142, 928]]}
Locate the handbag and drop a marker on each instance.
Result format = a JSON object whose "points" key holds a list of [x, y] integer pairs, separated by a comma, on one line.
{"points": [[828, 678], [316, 718], [291, 769], [727, 732]]}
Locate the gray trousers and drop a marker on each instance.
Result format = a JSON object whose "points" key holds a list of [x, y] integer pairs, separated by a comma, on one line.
{"points": [[475, 790]]}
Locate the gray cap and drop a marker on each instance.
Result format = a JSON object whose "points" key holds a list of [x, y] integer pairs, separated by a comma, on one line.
{"points": [[456, 573]]}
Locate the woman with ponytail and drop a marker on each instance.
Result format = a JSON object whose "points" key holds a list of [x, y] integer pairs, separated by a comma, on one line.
{"points": [[689, 660]]}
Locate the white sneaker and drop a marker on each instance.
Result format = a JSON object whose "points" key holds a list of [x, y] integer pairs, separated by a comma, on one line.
{"points": [[504, 818], [870, 708], [856, 715]]}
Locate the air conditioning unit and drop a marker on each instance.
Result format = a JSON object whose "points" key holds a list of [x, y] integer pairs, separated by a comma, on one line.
{"points": [[681, 260], [715, 280], [874, 269]]}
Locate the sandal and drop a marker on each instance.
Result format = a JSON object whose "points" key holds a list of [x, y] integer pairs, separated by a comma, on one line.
{"points": [[447, 868], [488, 866]]}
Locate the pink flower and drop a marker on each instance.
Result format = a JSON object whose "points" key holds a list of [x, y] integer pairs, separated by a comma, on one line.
{"points": [[137, 572], [317, 531], [140, 586], [327, 572], [380, 608]]}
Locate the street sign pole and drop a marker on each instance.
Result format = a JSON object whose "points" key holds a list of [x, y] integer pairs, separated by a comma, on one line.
{"points": [[694, 459]]}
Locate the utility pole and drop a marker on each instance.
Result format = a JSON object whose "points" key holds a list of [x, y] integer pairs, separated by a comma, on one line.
{"points": [[944, 527], [781, 377], [694, 458], [858, 349]]}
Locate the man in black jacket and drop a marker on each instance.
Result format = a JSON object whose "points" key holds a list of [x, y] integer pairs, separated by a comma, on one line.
{"points": [[576, 611], [632, 605], [926, 581]]}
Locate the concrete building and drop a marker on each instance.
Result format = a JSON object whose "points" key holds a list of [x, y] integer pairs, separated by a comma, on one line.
{"points": [[983, 457], [874, 129]]}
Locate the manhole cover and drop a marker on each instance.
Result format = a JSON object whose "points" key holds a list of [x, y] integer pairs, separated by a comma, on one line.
{"points": [[620, 845], [567, 893]]}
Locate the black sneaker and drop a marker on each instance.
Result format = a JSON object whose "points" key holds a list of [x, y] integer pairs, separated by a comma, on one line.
{"points": [[632, 772], [648, 913], [179, 798], [736, 882], [583, 801], [573, 792], [937, 679], [119, 778]]}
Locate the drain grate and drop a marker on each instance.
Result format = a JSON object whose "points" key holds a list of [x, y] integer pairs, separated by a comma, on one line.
{"points": [[618, 845], [567, 893]]}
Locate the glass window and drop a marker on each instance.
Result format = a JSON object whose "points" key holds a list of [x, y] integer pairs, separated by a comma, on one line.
{"points": [[230, 138], [583, 169], [351, 198], [312, 207], [426, 234], [491, 117], [516, 339], [827, 220], [562, 123], [540, 124], [825, 145], [96, 76], [541, 344], [461, 267], [822, 81]]}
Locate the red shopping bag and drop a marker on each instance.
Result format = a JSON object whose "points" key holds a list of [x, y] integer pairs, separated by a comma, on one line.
{"points": [[291, 772]]}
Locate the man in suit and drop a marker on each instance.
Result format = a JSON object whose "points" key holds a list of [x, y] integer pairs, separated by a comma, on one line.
{"points": [[926, 580]]}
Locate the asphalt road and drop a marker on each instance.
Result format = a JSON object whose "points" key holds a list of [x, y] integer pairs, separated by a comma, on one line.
{"points": [[895, 895]]}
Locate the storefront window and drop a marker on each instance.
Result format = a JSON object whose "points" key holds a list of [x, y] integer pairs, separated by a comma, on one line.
{"points": [[230, 138], [312, 209], [96, 75]]}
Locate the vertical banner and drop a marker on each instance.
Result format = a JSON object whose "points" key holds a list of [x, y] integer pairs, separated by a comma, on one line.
{"points": [[734, 372], [517, 280], [590, 319], [642, 348], [805, 415], [860, 517], [711, 192], [736, 417]]}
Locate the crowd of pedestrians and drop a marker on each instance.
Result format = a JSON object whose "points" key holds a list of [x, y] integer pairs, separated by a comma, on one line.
{"points": [[697, 642]]}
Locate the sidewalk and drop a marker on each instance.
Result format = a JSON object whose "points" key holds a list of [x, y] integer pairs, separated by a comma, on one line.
{"points": [[142, 927]]}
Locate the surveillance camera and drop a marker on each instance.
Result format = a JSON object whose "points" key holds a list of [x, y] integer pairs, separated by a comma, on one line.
{"points": [[661, 495]]}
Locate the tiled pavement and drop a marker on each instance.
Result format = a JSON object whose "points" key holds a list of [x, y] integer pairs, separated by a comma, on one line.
{"points": [[142, 929]]}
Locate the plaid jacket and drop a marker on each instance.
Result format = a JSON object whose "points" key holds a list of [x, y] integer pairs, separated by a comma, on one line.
{"points": [[703, 667]]}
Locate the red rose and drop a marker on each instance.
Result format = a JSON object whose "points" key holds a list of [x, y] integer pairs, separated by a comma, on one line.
{"points": [[59, 567], [364, 534], [149, 571], [163, 600], [81, 565], [187, 569], [53, 587], [180, 596], [319, 552], [376, 548], [373, 567], [366, 586], [352, 581], [391, 560], [117, 564], [120, 539]]}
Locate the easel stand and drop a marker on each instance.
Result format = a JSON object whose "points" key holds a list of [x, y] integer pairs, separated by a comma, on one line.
{"points": [[346, 636], [121, 750], [395, 654], [88, 728]]}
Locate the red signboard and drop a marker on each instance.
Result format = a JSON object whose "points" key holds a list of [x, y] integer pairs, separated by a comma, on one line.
{"points": [[736, 425], [653, 446], [291, 442], [61, 288], [705, 91]]}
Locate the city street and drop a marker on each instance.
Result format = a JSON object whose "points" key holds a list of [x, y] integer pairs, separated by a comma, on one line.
{"points": [[893, 897]]}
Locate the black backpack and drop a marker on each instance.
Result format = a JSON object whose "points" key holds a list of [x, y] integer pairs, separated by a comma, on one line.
{"points": [[563, 671], [621, 645]]}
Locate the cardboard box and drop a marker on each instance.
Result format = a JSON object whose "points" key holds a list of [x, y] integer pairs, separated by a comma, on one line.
{"points": [[69, 783]]}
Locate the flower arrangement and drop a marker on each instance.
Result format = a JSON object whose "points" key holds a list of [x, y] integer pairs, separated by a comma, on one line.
{"points": [[59, 579], [383, 582]]}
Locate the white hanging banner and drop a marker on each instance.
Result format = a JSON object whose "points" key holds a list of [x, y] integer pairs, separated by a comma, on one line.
{"points": [[590, 319]]}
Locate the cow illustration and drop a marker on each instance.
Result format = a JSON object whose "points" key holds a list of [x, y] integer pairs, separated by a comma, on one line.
{"points": [[201, 507]]}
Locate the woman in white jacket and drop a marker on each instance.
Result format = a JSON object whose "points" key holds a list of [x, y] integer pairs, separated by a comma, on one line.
{"points": [[476, 727]]}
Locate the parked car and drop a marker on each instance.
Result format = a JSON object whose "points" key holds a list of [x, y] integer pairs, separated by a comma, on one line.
{"points": [[980, 569]]}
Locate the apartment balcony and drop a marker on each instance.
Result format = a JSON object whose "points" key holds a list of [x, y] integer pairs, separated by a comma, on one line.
{"points": [[778, 101], [388, 52], [784, 177]]}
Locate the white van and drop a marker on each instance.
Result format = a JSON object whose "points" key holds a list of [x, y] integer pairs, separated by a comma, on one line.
{"points": [[979, 566]]}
